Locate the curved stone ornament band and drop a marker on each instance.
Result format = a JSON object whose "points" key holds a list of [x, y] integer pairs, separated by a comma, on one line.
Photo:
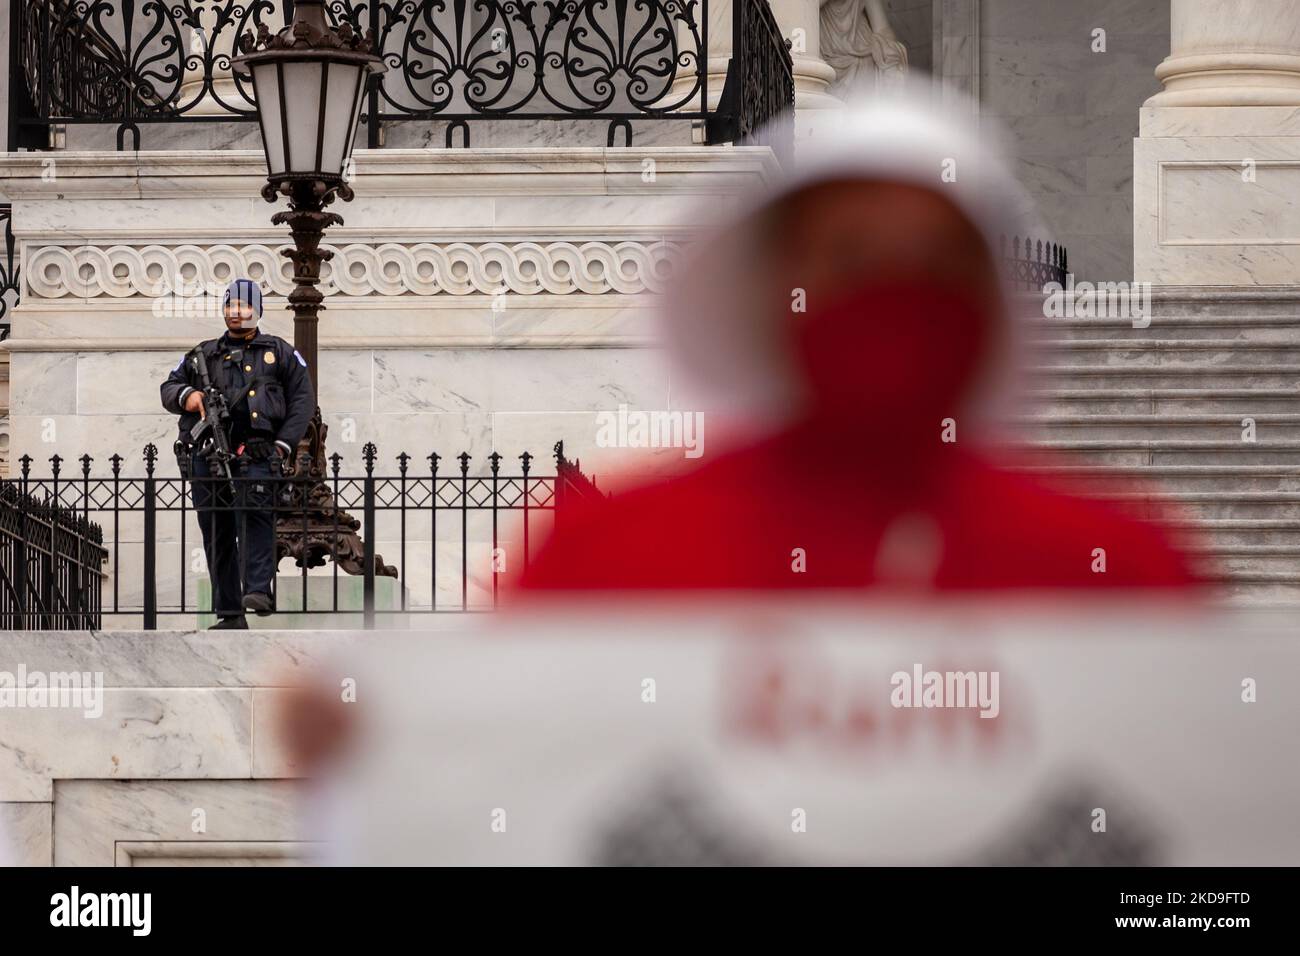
{"points": [[357, 269]]}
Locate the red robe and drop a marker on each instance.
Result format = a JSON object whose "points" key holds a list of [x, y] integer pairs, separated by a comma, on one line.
{"points": [[746, 520], [837, 500]]}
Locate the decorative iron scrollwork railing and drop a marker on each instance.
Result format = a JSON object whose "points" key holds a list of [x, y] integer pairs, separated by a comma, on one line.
{"points": [[8, 271], [146, 61], [84, 72], [470, 58], [134, 60]]}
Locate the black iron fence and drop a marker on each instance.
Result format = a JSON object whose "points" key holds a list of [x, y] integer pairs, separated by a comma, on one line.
{"points": [[51, 563], [128, 62], [442, 539], [1030, 264], [758, 95]]}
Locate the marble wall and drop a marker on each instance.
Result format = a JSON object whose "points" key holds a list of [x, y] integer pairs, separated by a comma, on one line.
{"points": [[414, 134], [175, 761], [955, 49], [912, 21], [1072, 114]]}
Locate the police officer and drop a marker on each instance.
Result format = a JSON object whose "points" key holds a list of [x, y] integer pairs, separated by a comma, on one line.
{"points": [[271, 401]]}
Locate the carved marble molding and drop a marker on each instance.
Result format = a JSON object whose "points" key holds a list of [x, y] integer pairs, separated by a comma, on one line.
{"points": [[357, 269]]}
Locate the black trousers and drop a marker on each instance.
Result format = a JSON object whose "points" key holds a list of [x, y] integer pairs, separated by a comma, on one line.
{"points": [[238, 527]]}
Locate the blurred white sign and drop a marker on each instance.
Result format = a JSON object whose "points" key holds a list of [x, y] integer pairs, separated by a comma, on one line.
{"points": [[778, 733]]}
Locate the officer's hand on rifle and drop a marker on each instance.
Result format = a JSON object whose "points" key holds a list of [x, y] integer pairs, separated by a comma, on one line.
{"points": [[194, 403], [282, 461]]}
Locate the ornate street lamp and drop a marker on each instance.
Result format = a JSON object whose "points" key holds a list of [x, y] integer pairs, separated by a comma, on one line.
{"points": [[308, 83]]}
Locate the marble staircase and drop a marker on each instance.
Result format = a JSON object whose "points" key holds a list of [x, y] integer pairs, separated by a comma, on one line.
{"points": [[1160, 416]]}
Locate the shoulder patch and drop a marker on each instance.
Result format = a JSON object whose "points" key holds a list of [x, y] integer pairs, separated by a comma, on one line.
{"points": [[301, 361]]}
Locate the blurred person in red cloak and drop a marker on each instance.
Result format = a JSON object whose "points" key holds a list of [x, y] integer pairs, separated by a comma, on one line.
{"points": [[857, 322], [854, 328]]}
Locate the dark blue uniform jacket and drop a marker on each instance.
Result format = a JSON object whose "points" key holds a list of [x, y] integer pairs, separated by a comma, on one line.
{"points": [[279, 400]]}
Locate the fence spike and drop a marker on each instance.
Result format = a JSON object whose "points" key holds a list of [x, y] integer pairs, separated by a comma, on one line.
{"points": [[464, 458]]}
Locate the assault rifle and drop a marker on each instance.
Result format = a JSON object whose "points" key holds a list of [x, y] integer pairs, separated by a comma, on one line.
{"points": [[212, 434]]}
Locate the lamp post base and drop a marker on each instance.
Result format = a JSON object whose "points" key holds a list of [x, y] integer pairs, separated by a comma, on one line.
{"points": [[310, 527]]}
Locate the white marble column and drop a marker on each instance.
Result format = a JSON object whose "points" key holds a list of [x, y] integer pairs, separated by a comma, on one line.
{"points": [[1216, 178], [1231, 53], [719, 49], [800, 21]]}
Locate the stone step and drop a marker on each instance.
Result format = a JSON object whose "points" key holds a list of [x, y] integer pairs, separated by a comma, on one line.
{"points": [[1151, 417], [1205, 428], [1175, 478], [1191, 302], [1265, 563], [1254, 595], [1216, 534], [1174, 376], [1277, 329], [1215, 505], [1258, 302], [1172, 353], [1137, 452], [1067, 402]]}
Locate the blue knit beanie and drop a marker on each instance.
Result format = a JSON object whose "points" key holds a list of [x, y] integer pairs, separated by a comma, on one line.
{"points": [[244, 290]]}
